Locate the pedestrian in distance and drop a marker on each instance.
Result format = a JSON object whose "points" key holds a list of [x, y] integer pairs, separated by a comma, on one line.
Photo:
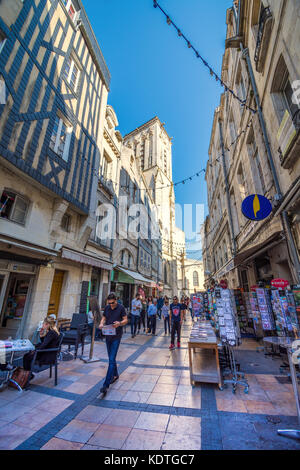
{"points": [[115, 315], [143, 315], [176, 318], [183, 306], [152, 312], [160, 303], [149, 302], [136, 307], [166, 315]]}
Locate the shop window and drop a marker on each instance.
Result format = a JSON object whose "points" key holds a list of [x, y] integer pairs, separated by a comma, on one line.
{"points": [[13, 207], [61, 137], [72, 73], [14, 309]]}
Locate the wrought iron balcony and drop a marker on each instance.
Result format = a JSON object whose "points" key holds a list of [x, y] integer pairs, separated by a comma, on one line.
{"points": [[107, 184], [263, 38]]}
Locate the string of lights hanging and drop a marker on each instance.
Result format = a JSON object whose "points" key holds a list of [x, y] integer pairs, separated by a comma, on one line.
{"points": [[198, 55]]}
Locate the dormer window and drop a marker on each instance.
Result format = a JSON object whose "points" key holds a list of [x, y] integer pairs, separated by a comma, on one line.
{"points": [[73, 14]]}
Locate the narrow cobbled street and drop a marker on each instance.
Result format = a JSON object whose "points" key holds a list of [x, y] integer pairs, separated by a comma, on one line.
{"points": [[152, 406]]}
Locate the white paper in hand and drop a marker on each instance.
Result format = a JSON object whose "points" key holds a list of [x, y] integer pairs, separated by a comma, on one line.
{"points": [[108, 330]]}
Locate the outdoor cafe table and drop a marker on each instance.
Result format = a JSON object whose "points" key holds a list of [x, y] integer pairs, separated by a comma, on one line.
{"points": [[18, 346], [287, 343]]}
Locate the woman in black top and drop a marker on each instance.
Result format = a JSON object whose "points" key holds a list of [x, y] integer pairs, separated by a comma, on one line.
{"points": [[49, 336]]}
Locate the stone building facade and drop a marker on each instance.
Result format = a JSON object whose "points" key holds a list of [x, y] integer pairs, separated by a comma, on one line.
{"points": [[152, 149], [194, 276], [64, 166], [51, 126], [256, 153]]}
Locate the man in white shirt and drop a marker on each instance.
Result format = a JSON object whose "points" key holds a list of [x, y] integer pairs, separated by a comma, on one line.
{"points": [[136, 307]]}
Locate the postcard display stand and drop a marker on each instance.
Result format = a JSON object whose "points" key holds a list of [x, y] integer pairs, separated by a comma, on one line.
{"points": [[285, 312], [229, 334], [245, 320], [197, 305]]}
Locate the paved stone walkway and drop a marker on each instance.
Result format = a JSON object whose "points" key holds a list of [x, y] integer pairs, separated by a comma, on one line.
{"points": [[152, 406]]}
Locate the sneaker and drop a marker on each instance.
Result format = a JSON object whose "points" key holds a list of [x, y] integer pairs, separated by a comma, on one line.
{"points": [[178, 345], [103, 390], [114, 380], [171, 346]]}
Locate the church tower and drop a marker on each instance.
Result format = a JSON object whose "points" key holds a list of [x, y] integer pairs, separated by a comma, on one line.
{"points": [[152, 148]]}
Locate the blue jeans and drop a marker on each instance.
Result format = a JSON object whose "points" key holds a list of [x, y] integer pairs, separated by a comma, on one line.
{"points": [[112, 349], [134, 323]]}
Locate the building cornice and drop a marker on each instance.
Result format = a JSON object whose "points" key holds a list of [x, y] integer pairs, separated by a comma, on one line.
{"points": [[111, 143]]}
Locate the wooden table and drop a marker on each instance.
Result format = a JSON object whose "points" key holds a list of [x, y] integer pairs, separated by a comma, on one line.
{"points": [[204, 358]]}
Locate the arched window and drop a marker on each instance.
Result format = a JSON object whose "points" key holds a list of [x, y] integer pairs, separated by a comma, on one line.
{"points": [[195, 278]]}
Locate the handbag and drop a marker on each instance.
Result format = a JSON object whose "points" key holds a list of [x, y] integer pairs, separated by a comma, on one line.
{"points": [[20, 376]]}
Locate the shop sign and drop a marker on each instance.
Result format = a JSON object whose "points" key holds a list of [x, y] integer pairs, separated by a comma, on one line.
{"points": [[224, 284], [256, 207], [279, 283]]}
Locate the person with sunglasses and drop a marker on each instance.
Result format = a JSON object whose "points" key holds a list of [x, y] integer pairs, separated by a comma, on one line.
{"points": [[114, 314], [176, 318]]}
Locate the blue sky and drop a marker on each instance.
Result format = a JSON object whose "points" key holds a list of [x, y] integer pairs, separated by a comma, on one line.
{"points": [[155, 73]]}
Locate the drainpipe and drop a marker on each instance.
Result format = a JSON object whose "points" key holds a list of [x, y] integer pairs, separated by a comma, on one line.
{"points": [[278, 196], [233, 242]]}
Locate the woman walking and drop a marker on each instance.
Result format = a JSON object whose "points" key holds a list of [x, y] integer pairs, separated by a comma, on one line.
{"points": [[166, 315]]}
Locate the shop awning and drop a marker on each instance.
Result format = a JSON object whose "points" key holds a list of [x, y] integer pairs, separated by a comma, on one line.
{"points": [[38, 250], [137, 277], [258, 249], [85, 259]]}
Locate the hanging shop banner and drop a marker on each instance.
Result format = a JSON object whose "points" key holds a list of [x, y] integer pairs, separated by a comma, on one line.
{"points": [[256, 207], [279, 283]]}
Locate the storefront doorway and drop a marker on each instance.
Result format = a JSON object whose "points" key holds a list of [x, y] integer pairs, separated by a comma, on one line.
{"points": [[124, 292], [55, 292]]}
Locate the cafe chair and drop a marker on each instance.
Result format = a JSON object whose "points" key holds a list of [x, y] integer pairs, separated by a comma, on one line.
{"points": [[75, 331], [36, 367]]}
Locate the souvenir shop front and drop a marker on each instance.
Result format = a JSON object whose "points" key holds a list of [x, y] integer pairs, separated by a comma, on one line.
{"points": [[18, 274], [126, 284]]}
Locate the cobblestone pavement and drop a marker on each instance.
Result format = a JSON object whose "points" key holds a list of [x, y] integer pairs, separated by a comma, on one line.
{"points": [[152, 406]]}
